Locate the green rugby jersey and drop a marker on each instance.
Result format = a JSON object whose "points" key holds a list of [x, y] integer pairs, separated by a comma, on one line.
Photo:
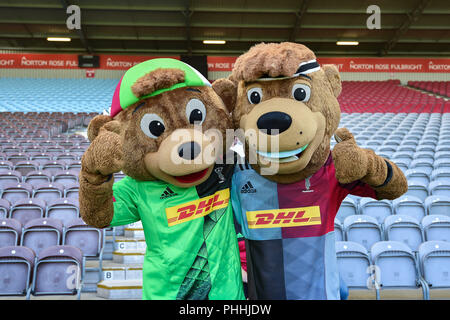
{"points": [[192, 250]]}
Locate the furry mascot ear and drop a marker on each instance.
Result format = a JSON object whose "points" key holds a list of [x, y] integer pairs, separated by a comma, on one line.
{"points": [[332, 73], [227, 91], [102, 122]]}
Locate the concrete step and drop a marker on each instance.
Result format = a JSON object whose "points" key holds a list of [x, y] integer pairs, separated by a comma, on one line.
{"points": [[125, 244], [119, 271], [129, 256], [135, 233], [120, 289]]}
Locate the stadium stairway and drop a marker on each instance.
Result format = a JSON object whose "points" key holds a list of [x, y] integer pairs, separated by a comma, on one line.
{"points": [[122, 275]]}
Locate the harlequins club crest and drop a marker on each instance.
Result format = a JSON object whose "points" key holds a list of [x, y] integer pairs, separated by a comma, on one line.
{"points": [[167, 194], [248, 188]]}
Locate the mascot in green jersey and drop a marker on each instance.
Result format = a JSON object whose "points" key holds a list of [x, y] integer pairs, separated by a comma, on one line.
{"points": [[166, 132]]}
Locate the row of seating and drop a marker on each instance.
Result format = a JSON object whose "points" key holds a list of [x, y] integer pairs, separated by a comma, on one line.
{"points": [[41, 233], [387, 96], [15, 192], [24, 210], [57, 270], [407, 204], [439, 87], [392, 264], [366, 230]]}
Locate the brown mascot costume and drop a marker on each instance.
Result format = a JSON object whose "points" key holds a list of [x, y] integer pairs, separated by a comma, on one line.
{"points": [[287, 193], [160, 133]]}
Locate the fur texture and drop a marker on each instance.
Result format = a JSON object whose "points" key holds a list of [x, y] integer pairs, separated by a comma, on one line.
{"points": [[282, 59], [155, 80], [119, 144]]}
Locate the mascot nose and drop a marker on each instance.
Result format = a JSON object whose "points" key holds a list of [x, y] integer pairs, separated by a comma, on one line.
{"points": [[189, 150], [274, 120]]}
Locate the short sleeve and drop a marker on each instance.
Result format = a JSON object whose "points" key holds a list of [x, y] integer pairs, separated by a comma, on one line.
{"points": [[125, 200]]}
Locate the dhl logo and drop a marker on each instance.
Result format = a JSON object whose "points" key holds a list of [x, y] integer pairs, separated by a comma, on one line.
{"points": [[293, 217], [197, 208]]}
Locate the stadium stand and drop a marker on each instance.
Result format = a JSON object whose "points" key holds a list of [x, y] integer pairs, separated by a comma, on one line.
{"points": [[439, 87], [40, 154]]}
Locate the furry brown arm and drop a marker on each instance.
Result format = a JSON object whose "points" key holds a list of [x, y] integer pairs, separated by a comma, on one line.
{"points": [[353, 163], [102, 159]]}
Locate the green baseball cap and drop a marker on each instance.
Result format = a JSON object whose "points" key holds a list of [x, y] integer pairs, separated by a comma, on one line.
{"points": [[123, 95]]}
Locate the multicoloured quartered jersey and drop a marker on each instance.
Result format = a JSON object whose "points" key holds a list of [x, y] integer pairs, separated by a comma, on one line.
{"points": [[192, 250], [289, 231]]}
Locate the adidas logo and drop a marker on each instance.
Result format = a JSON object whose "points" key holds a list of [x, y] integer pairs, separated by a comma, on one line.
{"points": [[167, 194], [248, 188]]}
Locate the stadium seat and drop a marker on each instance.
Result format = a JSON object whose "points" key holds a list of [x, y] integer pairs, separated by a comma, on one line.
{"points": [[403, 228], [58, 270], [90, 240], [418, 175], [424, 164], [348, 208], [8, 176], [53, 166], [25, 167], [439, 188], [398, 267], [417, 189], [24, 210], [41, 233], [353, 263], [35, 178], [65, 177], [442, 174], [48, 191], [10, 232], [4, 208], [6, 165], [438, 204], [338, 230], [16, 266], [16, 191], [409, 205], [436, 227], [362, 229], [71, 191], [379, 209], [64, 209], [434, 258]]}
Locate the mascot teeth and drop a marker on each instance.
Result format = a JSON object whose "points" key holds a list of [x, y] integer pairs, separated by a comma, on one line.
{"points": [[283, 156]]}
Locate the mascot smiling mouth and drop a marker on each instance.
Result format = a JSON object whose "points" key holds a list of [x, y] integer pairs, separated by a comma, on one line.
{"points": [[192, 177], [282, 156]]}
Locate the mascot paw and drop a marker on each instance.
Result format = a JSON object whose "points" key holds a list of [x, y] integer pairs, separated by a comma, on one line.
{"points": [[350, 160], [104, 156]]}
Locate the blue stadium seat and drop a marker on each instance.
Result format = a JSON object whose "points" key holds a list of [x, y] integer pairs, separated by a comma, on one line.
{"points": [[438, 204], [348, 207], [436, 227], [379, 209], [409, 205], [439, 188], [362, 229], [417, 189], [404, 228], [338, 230], [418, 175], [398, 267], [434, 257], [353, 262]]}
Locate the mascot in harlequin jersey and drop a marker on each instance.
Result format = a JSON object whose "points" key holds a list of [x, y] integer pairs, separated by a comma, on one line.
{"points": [[160, 133], [287, 193]]}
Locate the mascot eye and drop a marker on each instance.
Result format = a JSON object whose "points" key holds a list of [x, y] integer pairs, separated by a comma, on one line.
{"points": [[195, 111], [254, 95], [152, 125], [301, 92]]}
